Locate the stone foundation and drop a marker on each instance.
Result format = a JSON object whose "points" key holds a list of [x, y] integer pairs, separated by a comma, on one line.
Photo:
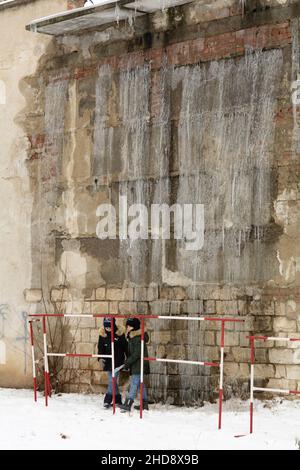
{"points": [[267, 314]]}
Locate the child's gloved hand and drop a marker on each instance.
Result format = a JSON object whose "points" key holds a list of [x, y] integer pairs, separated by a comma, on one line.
{"points": [[119, 368]]}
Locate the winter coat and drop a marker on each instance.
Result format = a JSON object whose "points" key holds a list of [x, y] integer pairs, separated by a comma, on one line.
{"points": [[104, 347], [133, 361]]}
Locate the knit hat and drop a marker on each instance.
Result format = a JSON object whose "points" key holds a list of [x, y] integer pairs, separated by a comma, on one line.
{"points": [[134, 323], [107, 322]]}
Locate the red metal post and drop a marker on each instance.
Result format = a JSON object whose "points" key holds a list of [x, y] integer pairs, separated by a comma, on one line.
{"points": [[252, 339], [142, 367], [33, 361], [46, 385], [112, 335], [221, 374]]}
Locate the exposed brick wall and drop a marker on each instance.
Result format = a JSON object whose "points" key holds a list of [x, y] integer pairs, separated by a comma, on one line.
{"points": [[192, 52], [75, 4]]}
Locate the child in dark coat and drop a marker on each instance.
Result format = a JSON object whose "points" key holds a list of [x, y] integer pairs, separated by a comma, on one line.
{"points": [[121, 352], [133, 362]]}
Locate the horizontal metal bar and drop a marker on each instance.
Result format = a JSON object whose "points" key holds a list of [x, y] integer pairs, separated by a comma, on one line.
{"points": [[87, 315], [272, 338], [161, 317], [226, 320], [135, 316], [77, 355], [181, 361], [75, 315], [166, 317], [275, 390], [257, 337], [277, 338]]}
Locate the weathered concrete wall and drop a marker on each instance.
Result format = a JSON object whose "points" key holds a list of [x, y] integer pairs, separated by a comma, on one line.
{"points": [[20, 52], [190, 105]]}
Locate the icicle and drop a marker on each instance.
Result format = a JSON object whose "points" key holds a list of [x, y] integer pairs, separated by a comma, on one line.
{"points": [[243, 4], [240, 242], [117, 14]]}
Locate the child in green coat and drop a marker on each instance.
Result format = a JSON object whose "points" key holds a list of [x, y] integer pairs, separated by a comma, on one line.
{"points": [[133, 362]]}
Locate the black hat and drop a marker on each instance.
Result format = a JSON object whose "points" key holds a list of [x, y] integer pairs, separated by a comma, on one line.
{"points": [[134, 323], [107, 322]]}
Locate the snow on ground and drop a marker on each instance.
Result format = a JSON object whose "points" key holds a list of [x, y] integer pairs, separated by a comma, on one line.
{"points": [[79, 422]]}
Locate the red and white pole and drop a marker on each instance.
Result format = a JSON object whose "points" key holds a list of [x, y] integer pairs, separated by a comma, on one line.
{"points": [[112, 335], [181, 361], [221, 374], [33, 361], [46, 380], [79, 355], [252, 383], [142, 367], [276, 390]]}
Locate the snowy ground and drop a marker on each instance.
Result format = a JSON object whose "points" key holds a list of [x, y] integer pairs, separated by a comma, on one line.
{"points": [[79, 422]]}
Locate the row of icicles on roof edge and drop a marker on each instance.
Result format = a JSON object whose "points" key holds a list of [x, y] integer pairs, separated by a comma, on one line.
{"points": [[163, 5]]}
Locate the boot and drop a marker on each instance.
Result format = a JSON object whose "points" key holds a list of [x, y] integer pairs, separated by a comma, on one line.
{"points": [[145, 406], [118, 400], [107, 401], [127, 405]]}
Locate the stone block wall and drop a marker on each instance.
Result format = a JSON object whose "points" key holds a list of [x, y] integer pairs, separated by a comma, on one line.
{"points": [[128, 106], [277, 365]]}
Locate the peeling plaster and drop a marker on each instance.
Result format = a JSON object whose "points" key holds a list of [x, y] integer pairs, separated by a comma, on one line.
{"points": [[288, 268], [73, 266]]}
